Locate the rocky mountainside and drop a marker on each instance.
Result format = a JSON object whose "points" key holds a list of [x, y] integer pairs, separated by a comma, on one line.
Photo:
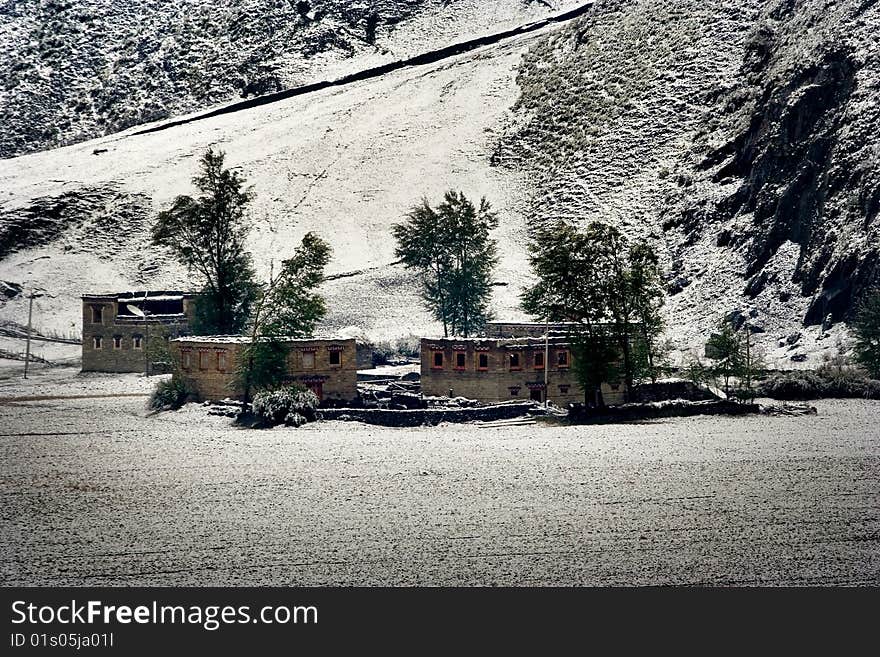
{"points": [[742, 136], [739, 137], [75, 69]]}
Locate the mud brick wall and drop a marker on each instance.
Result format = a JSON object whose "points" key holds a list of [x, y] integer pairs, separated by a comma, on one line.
{"points": [[209, 368], [500, 381]]}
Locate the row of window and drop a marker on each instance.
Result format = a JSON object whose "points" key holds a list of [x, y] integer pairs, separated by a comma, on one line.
{"points": [[515, 390], [217, 359], [515, 360], [208, 360], [118, 342]]}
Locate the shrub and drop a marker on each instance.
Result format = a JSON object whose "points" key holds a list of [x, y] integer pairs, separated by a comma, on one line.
{"points": [[409, 346], [792, 385], [169, 394], [852, 383], [292, 405], [808, 385]]}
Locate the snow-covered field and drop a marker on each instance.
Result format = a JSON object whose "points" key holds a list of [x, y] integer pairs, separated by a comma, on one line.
{"points": [[96, 491]]}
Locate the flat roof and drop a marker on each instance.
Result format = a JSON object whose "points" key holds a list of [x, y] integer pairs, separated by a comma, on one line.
{"points": [[138, 295], [246, 339], [511, 323], [523, 340]]}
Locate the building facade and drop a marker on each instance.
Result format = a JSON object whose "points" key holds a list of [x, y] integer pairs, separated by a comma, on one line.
{"points": [[117, 328], [505, 369], [209, 365]]}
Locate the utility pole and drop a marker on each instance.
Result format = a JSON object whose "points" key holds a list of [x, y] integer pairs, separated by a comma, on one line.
{"points": [[146, 338], [748, 357], [27, 354], [546, 363]]}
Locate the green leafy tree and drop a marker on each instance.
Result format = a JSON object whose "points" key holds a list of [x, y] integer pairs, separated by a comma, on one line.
{"points": [[451, 248], [696, 371], [287, 306], [596, 356], [726, 350], [571, 268], [420, 245], [867, 333], [645, 284], [207, 234], [605, 288]]}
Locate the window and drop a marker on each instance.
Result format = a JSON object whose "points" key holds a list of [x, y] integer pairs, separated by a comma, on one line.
{"points": [[137, 342], [185, 356], [562, 358], [204, 360], [97, 314], [437, 360], [483, 362], [335, 357], [308, 358], [515, 362], [539, 360], [460, 360], [117, 342], [514, 391], [221, 361], [96, 342]]}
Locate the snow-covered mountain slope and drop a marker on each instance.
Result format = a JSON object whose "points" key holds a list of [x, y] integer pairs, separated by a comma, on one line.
{"points": [[76, 69], [345, 162], [676, 120], [742, 136]]}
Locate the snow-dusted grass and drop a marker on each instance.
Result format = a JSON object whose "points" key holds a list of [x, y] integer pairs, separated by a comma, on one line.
{"points": [[106, 495], [67, 381]]}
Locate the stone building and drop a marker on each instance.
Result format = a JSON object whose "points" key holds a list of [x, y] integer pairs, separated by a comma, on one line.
{"points": [[117, 328], [505, 369], [208, 366], [509, 362]]}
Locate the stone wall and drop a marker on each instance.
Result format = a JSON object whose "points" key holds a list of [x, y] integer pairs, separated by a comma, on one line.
{"points": [[208, 367], [119, 344], [428, 417]]}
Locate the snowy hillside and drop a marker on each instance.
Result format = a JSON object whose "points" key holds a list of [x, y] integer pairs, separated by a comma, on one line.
{"points": [[345, 162], [740, 137], [76, 69]]}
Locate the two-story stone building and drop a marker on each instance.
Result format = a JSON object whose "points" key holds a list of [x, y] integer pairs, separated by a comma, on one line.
{"points": [[513, 361], [209, 365], [117, 328]]}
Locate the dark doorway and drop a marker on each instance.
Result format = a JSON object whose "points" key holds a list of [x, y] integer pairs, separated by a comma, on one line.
{"points": [[317, 387], [537, 395]]}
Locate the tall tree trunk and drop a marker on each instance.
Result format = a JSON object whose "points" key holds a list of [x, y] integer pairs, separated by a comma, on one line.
{"points": [[627, 365]]}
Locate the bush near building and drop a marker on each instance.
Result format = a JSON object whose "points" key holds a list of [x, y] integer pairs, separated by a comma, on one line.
{"points": [[168, 395], [292, 405]]}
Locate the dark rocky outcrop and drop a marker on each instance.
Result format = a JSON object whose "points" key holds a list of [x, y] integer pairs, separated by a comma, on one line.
{"points": [[799, 163], [748, 157], [86, 219]]}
